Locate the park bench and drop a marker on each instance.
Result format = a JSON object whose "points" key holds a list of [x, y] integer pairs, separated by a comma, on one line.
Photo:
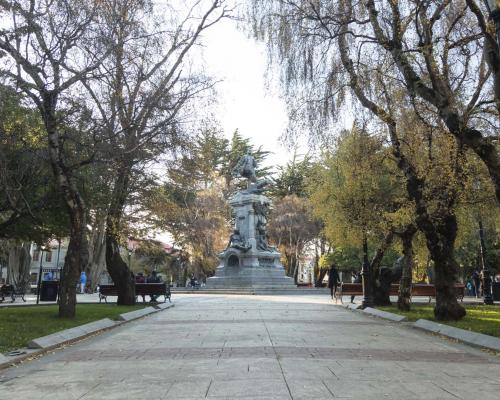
{"points": [[12, 292], [426, 290], [141, 289], [356, 289], [417, 289]]}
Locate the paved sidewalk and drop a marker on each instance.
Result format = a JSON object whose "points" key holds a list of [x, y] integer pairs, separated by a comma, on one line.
{"points": [[258, 347], [94, 298]]}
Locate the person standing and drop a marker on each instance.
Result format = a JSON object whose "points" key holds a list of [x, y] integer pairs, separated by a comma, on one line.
{"points": [[356, 278], [83, 281], [153, 278], [333, 280]]}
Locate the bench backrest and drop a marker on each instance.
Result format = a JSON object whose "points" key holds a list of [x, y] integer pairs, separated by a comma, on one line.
{"points": [[417, 289], [150, 288], [394, 290], [108, 290], [7, 289], [351, 288], [140, 289], [423, 289], [460, 289]]}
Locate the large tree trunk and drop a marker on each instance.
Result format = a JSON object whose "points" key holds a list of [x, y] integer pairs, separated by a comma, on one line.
{"points": [[441, 242], [319, 273], [404, 295], [97, 252], [117, 268], [19, 265], [75, 262], [380, 282], [437, 230], [320, 277], [295, 273], [77, 255]]}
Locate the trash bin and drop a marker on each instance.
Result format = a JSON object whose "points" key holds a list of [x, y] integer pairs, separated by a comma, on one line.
{"points": [[495, 291], [48, 291]]}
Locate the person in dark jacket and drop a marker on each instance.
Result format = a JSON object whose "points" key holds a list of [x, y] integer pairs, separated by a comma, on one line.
{"points": [[153, 278], [333, 280], [356, 278]]}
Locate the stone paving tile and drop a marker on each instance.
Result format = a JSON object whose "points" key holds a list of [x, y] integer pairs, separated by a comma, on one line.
{"points": [[309, 389], [128, 390], [464, 390], [299, 353], [238, 388], [310, 322], [187, 389], [258, 347]]}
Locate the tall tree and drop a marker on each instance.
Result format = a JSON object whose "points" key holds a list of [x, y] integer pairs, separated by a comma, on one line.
{"points": [[292, 177], [191, 205], [140, 98], [445, 56], [48, 47], [357, 198], [291, 228], [327, 47], [29, 207]]}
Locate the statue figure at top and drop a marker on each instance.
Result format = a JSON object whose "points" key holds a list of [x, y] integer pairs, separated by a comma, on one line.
{"points": [[245, 168]]}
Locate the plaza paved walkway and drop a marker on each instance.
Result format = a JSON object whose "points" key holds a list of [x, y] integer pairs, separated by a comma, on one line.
{"points": [[258, 347]]}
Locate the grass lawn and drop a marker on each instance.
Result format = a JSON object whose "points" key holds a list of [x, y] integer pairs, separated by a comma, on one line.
{"points": [[479, 318], [19, 325]]}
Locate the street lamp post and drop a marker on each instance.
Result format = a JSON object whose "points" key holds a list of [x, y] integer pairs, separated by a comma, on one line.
{"points": [[485, 272], [366, 275], [487, 298], [41, 249], [495, 16]]}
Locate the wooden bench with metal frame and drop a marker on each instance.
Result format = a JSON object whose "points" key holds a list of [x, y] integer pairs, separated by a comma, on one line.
{"points": [[426, 290], [141, 289], [417, 289], [12, 292]]}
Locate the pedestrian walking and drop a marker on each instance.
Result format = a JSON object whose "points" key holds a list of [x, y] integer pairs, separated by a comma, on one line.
{"points": [[333, 280]]}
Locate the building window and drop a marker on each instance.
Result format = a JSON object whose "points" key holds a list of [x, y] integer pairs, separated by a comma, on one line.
{"points": [[36, 255], [48, 256]]}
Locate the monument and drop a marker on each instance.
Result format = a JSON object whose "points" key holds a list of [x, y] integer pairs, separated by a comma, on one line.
{"points": [[248, 260]]}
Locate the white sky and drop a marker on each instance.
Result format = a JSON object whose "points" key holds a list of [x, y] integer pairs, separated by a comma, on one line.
{"points": [[246, 100]]}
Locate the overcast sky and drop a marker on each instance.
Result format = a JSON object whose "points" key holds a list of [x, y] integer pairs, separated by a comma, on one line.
{"points": [[246, 100]]}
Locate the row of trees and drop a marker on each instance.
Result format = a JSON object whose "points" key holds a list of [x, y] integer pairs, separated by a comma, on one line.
{"points": [[416, 72], [110, 86], [95, 94]]}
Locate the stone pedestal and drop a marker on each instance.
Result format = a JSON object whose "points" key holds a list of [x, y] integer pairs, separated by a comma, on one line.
{"points": [[256, 264]]}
